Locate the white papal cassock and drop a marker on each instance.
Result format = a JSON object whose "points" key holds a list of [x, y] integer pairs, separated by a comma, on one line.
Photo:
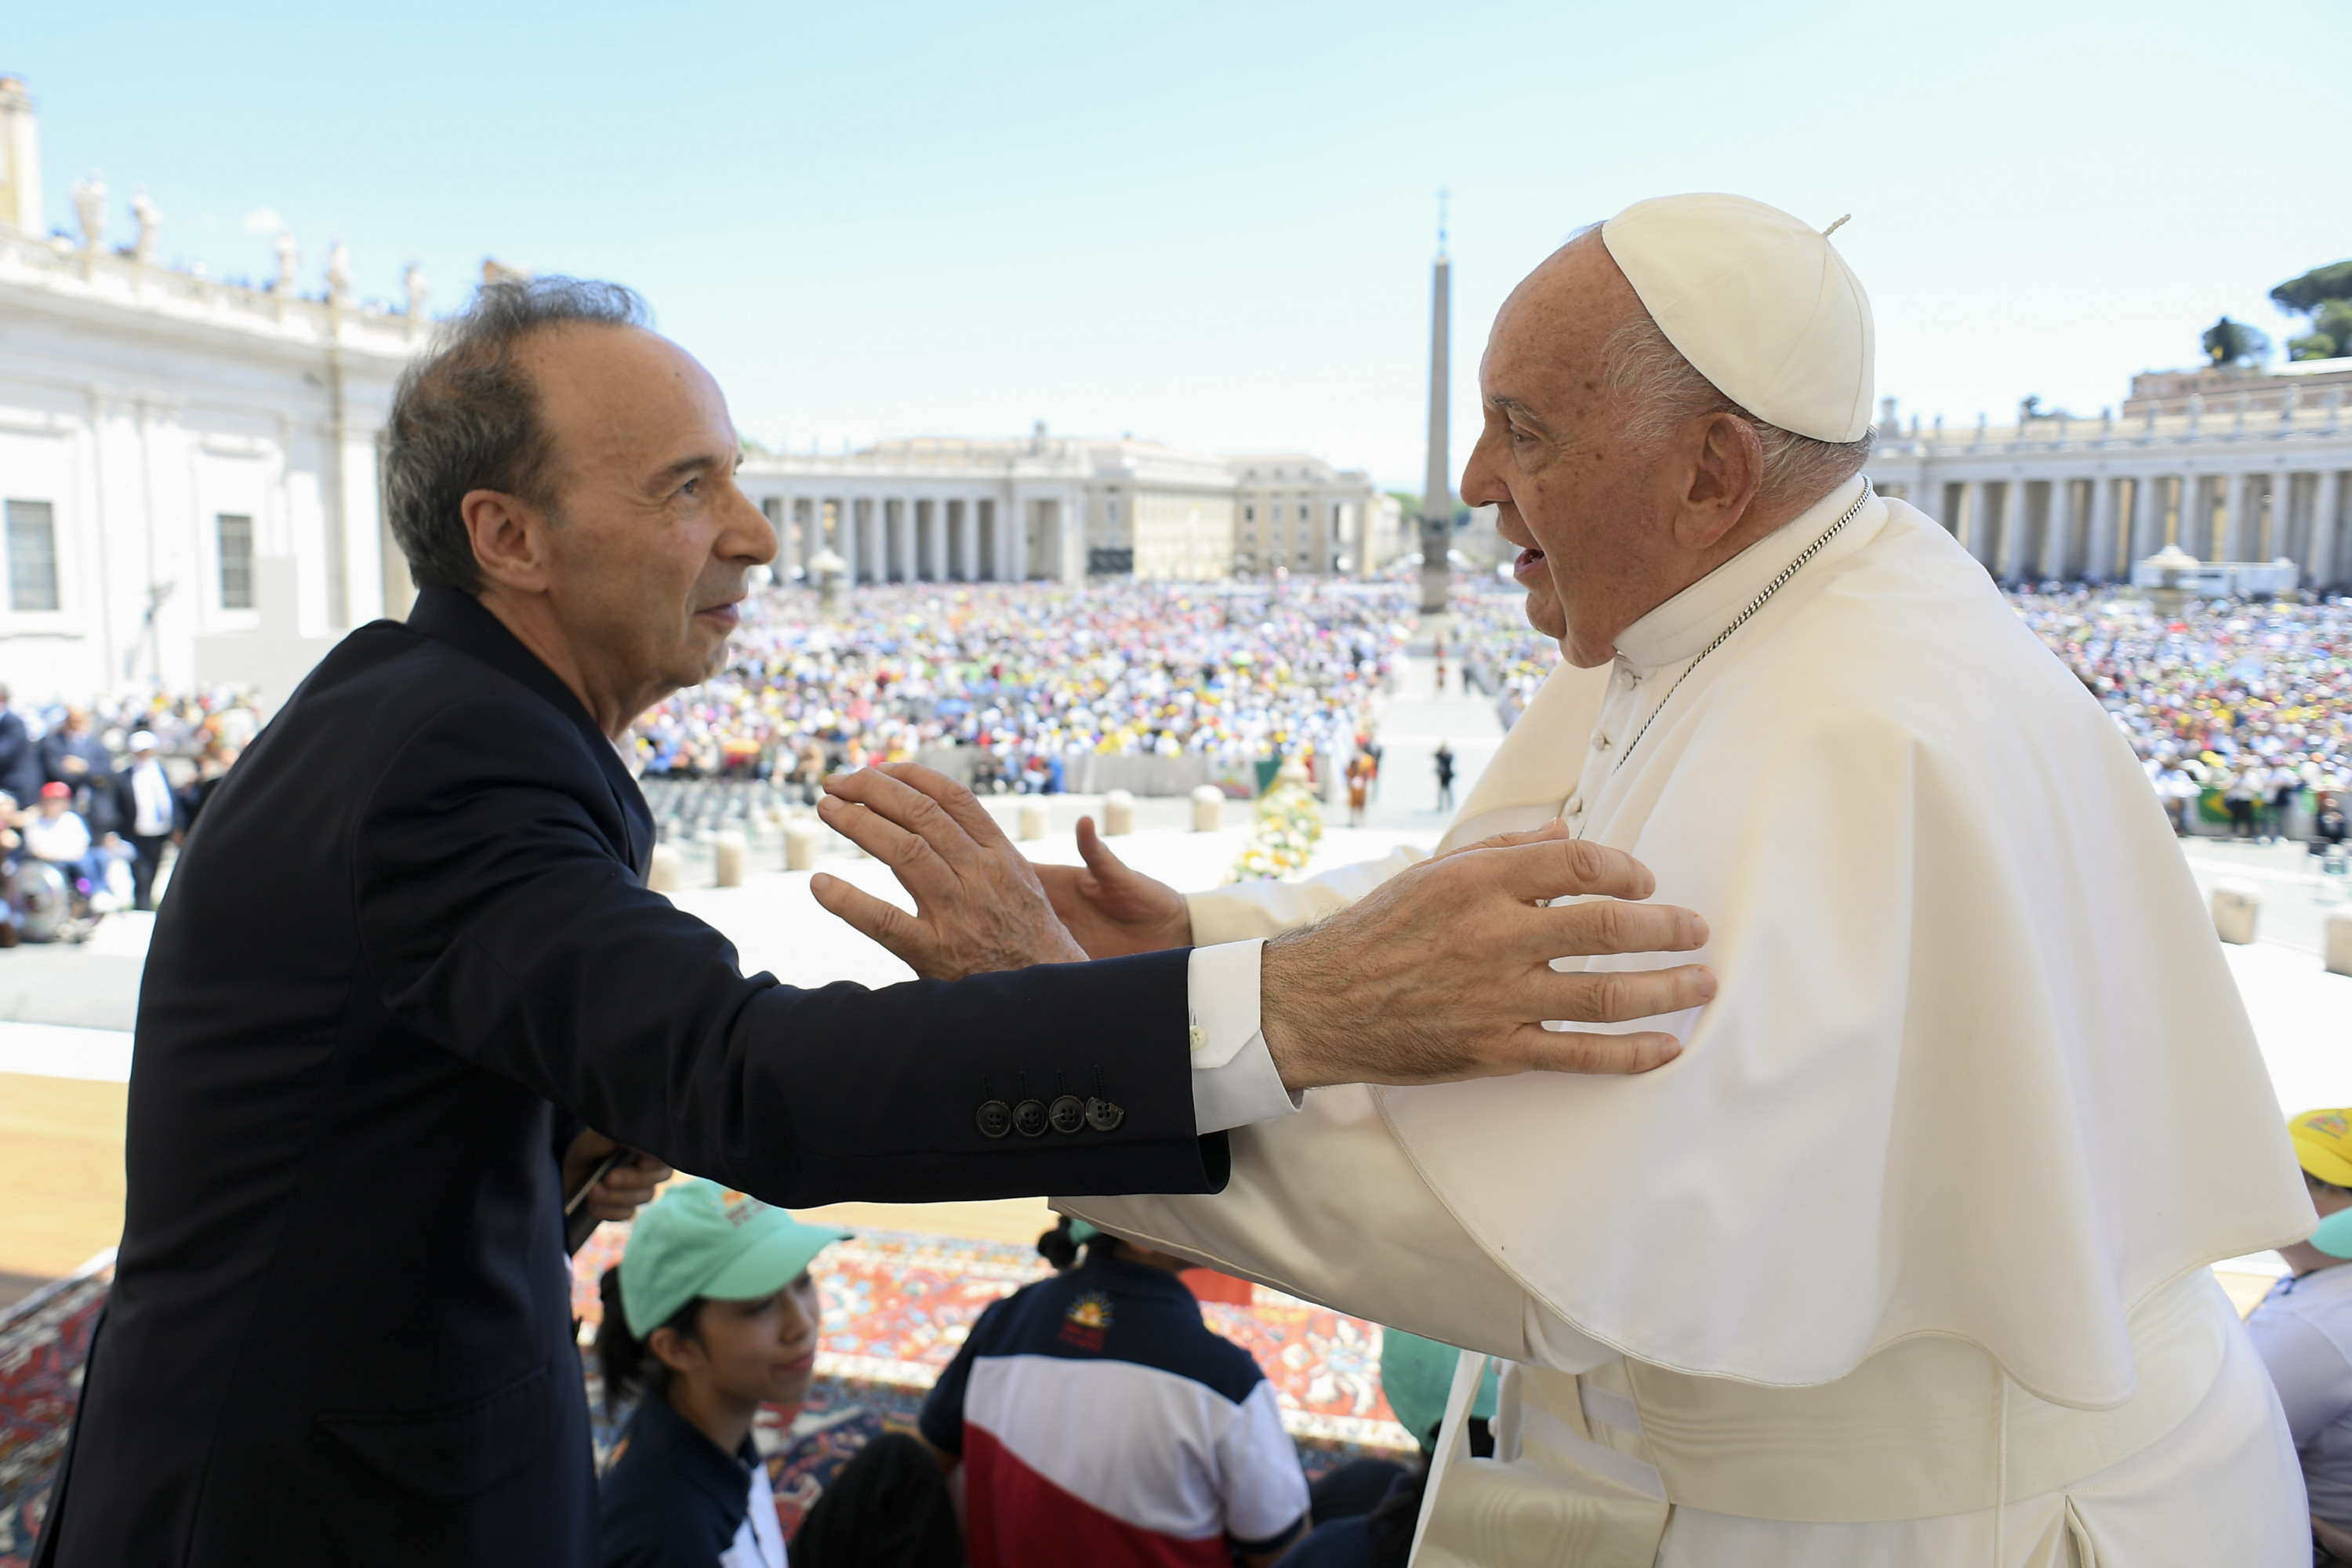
{"points": [[1903, 1260]]}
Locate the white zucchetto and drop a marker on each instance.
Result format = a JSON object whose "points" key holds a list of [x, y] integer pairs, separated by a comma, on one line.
{"points": [[1762, 305]]}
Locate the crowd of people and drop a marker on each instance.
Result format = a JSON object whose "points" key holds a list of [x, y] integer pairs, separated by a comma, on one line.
{"points": [[2241, 713], [92, 798], [1035, 674]]}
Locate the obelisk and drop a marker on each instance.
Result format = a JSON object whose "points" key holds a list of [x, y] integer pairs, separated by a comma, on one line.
{"points": [[1437, 486]]}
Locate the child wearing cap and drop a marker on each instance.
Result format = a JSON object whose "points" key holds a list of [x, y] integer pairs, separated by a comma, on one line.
{"points": [[2302, 1328], [711, 1314]]}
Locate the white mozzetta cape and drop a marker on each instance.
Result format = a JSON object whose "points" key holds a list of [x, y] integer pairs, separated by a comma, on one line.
{"points": [[1976, 1067]]}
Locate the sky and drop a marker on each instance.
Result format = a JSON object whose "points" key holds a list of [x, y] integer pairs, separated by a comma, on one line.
{"points": [[1212, 225]]}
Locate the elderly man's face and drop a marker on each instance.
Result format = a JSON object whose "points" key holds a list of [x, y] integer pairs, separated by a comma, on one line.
{"points": [[654, 544], [1589, 514]]}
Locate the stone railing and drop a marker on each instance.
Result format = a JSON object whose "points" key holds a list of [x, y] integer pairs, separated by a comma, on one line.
{"points": [[101, 276]]}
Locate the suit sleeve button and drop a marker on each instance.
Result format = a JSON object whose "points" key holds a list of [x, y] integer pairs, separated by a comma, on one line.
{"points": [[1029, 1117], [995, 1119], [1102, 1115], [1067, 1114]]}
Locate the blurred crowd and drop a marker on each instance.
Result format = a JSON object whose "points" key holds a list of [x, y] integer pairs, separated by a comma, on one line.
{"points": [[1034, 674], [2238, 711], [94, 798]]}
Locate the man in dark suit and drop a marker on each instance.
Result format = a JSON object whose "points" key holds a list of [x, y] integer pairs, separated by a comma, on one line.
{"points": [[144, 809], [409, 951]]}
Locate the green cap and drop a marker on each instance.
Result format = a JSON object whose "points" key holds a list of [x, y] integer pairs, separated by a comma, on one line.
{"points": [[1417, 1375], [702, 1239]]}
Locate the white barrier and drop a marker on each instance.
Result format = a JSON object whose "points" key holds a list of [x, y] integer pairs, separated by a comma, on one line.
{"points": [[668, 873], [727, 855], [1208, 809], [2338, 947], [2234, 911], [802, 837], [1032, 818], [1119, 812]]}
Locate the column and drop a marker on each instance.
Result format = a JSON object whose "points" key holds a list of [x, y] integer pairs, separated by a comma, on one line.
{"points": [[2279, 536], [2014, 502], [2147, 516], [2101, 565], [1969, 524], [1016, 541], [960, 540], [844, 537], [2325, 536], [2184, 521], [2237, 515], [2058, 532]]}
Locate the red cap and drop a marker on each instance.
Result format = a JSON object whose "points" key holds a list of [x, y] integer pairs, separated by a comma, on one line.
{"points": [[54, 791]]}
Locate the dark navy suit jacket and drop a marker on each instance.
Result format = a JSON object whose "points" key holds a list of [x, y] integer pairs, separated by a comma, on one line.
{"points": [[408, 940]]}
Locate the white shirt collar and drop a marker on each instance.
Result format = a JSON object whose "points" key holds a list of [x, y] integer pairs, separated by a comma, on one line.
{"points": [[1677, 629]]}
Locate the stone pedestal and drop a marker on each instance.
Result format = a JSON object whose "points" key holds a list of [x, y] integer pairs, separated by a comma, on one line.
{"points": [[802, 836], [1032, 818], [728, 853], [1208, 809], [2338, 949], [2234, 909], [1119, 812], [668, 873]]}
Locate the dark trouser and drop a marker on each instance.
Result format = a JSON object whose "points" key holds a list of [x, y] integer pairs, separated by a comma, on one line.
{"points": [[2242, 817], [888, 1508], [143, 868]]}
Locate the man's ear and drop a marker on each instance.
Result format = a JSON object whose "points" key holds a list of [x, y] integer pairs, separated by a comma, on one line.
{"points": [[510, 537], [1726, 473]]}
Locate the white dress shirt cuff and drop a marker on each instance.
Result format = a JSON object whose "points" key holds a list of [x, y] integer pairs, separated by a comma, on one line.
{"points": [[1234, 1080]]}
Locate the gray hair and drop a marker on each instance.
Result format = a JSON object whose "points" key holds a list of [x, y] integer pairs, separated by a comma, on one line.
{"points": [[1654, 389], [466, 417]]}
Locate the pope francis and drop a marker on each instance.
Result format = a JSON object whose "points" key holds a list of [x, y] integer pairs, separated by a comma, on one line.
{"points": [[1901, 1260]]}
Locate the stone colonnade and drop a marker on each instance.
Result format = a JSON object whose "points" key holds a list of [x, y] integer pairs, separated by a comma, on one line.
{"points": [[919, 537], [2094, 527]]}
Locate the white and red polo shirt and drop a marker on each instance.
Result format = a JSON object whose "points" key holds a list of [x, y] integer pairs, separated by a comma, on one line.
{"points": [[1101, 1423]]}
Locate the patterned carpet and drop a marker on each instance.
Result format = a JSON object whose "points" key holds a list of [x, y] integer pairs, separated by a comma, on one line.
{"points": [[896, 1305], [43, 1341]]}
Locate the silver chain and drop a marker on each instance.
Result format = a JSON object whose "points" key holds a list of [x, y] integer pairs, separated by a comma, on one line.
{"points": [[1754, 605]]}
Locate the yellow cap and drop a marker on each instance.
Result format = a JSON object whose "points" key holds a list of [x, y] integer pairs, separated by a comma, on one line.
{"points": [[2323, 1144]]}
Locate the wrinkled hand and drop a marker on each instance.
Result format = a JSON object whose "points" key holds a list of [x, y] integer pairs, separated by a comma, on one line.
{"points": [[624, 1189], [978, 905], [1112, 908], [1444, 972]]}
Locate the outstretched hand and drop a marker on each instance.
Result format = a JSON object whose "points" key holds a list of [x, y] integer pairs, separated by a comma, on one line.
{"points": [[978, 905], [1111, 908], [1444, 972]]}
